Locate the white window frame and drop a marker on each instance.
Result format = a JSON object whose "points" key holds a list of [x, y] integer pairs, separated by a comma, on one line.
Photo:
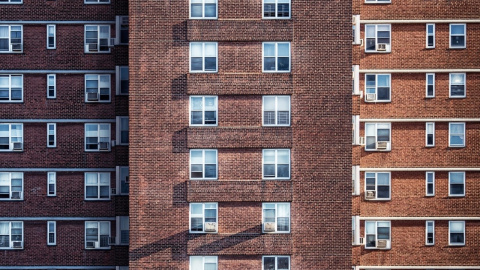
{"points": [[432, 75], [377, 185], [98, 37], [356, 180], [118, 80], [264, 205], [90, 77], [389, 145], [53, 133], [428, 182], [450, 232], [120, 127], [458, 134], [99, 224], [276, 56], [377, 86], [52, 180], [11, 141], [452, 83], [17, 175], [10, 234], [378, 1], [203, 2], [119, 226], [356, 129], [276, 164], [96, 2], [389, 240], [427, 127], [356, 30], [450, 36], [54, 36], [202, 216], [450, 183], [276, 2], [10, 100], [356, 230], [12, 3], [388, 47], [98, 137], [276, 261], [203, 57], [98, 185], [53, 86], [191, 110], [119, 22], [429, 224], [120, 177], [276, 111], [54, 232], [428, 34], [204, 164], [10, 48], [205, 259], [356, 79]]}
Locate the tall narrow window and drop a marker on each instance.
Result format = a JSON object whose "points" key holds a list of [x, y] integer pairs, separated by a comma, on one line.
{"points": [[122, 130], [456, 184], [456, 230], [457, 85], [123, 230], [430, 183], [123, 179], [51, 86], [276, 110], [430, 134], [122, 80], [51, 37], [431, 36], [52, 233], [430, 233], [430, 90], [122, 29], [51, 135], [52, 184]]}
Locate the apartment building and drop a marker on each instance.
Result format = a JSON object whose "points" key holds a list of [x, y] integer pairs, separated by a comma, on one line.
{"points": [[416, 134], [241, 151], [64, 134]]}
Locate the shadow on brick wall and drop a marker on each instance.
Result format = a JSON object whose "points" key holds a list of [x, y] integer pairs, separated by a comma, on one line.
{"points": [[179, 33], [179, 87], [179, 141]]}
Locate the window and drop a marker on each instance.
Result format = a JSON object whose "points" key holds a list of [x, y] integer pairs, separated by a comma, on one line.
{"points": [[122, 130], [378, 1], [203, 262], [276, 164], [457, 85], [97, 186], [51, 86], [203, 9], [11, 137], [276, 57], [456, 229], [203, 217], [356, 29], [203, 164], [276, 9], [458, 36], [429, 233], [456, 184], [51, 135], [377, 87], [97, 1], [51, 233], [203, 56], [51, 184], [456, 133], [356, 180], [97, 234], [97, 137], [377, 136], [11, 186], [122, 30], [11, 235], [10, 1], [276, 262], [122, 80], [430, 36], [11, 88], [377, 234], [203, 110], [429, 134], [276, 217], [377, 38], [377, 186], [11, 38], [123, 179], [276, 110], [51, 40], [97, 38], [97, 88], [123, 231], [430, 183], [430, 85]]}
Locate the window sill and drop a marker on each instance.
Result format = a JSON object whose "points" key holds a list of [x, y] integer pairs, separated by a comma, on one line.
{"points": [[205, 18], [276, 18], [457, 48], [98, 248], [454, 97], [456, 196], [378, 52]]}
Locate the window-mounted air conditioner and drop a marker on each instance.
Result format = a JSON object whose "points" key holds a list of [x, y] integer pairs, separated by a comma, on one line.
{"points": [[210, 227], [370, 195], [381, 47], [16, 195], [269, 226], [16, 47], [383, 244], [92, 96], [17, 146], [103, 146], [382, 145], [92, 47], [371, 97], [17, 244]]}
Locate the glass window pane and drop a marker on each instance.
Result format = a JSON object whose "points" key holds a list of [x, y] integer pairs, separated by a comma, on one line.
{"points": [[457, 29], [196, 49], [283, 49], [269, 156], [196, 157], [268, 49]]}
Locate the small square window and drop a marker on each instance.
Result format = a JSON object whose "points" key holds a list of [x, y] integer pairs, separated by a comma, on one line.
{"points": [[456, 229], [430, 90], [203, 218], [276, 110], [11, 186], [430, 233], [203, 110], [203, 56], [11, 235], [276, 57], [377, 38], [97, 234], [51, 233], [11, 137], [97, 186], [276, 163], [377, 234], [377, 87], [51, 184], [456, 135], [203, 164], [11, 88], [430, 36], [378, 136], [97, 88], [51, 36], [203, 9], [97, 137], [456, 184], [276, 262], [430, 183], [97, 38], [458, 36], [430, 134], [377, 186], [203, 262], [122, 130], [457, 85], [11, 38], [276, 9], [276, 217]]}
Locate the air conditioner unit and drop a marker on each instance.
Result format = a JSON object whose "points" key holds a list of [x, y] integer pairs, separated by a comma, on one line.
{"points": [[127, 179], [382, 145], [381, 47], [16, 195], [112, 241], [361, 241], [113, 191], [92, 244], [269, 226], [383, 244], [371, 97], [18, 146], [92, 47], [17, 244], [370, 195], [103, 145], [362, 141], [210, 227], [16, 47], [92, 96], [111, 42]]}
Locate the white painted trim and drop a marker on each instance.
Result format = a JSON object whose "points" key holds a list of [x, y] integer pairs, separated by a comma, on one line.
{"points": [[419, 70], [57, 169], [421, 218], [56, 219], [420, 267], [420, 120], [419, 169], [420, 21], [56, 71], [57, 120], [56, 267]]}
